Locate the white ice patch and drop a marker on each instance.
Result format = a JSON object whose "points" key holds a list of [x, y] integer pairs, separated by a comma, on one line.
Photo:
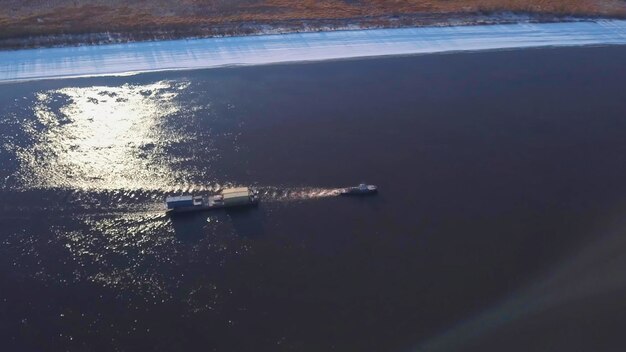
{"points": [[119, 59]]}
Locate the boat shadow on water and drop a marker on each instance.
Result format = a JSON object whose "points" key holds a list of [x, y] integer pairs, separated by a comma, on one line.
{"points": [[189, 227], [192, 227], [246, 221]]}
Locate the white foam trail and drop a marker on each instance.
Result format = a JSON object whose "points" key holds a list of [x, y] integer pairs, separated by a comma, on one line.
{"points": [[117, 59], [276, 194]]}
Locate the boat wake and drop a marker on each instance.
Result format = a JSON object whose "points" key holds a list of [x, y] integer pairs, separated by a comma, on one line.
{"points": [[150, 202], [278, 194], [122, 238]]}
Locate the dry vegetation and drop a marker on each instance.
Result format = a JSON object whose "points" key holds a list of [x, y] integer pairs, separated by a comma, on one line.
{"points": [[28, 18]]}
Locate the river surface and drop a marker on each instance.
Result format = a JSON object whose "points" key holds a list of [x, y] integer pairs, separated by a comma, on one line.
{"points": [[499, 225]]}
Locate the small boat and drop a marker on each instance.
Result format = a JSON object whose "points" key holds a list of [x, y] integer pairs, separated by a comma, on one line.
{"points": [[361, 189]]}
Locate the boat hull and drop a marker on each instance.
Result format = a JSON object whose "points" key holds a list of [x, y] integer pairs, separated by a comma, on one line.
{"points": [[210, 207], [358, 191]]}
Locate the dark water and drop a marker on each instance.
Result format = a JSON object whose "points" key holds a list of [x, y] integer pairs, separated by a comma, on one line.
{"points": [[498, 225]]}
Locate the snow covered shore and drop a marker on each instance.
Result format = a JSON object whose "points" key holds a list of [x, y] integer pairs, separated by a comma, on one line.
{"points": [[128, 58]]}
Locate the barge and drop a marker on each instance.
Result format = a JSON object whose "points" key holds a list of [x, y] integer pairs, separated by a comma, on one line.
{"points": [[227, 198]]}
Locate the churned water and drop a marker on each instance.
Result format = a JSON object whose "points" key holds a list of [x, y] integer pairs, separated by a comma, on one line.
{"points": [[498, 224]]}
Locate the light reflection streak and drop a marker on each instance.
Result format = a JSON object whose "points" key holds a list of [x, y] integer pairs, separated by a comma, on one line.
{"points": [[101, 137], [596, 270]]}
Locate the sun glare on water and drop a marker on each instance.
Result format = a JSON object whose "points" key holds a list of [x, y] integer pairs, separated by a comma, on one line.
{"points": [[101, 137]]}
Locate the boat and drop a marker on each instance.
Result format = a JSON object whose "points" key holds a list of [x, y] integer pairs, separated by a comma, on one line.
{"points": [[362, 189], [227, 198]]}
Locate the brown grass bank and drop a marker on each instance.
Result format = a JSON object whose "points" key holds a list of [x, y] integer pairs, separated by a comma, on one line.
{"points": [[53, 22]]}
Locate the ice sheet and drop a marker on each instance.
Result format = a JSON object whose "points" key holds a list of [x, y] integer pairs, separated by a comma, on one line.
{"points": [[118, 59]]}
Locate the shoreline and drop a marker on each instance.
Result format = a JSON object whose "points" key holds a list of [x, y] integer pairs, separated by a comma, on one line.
{"points": [[182, 54], [254, 28]]}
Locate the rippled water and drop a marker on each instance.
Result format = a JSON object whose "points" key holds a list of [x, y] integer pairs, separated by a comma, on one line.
{"points": [[501, 190], [101, 158]]}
